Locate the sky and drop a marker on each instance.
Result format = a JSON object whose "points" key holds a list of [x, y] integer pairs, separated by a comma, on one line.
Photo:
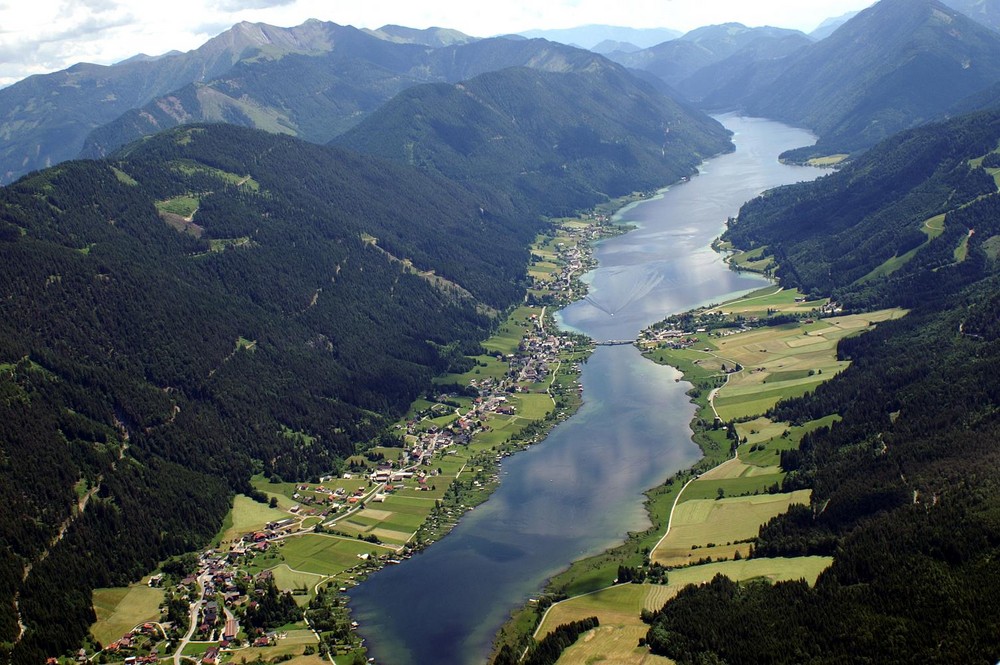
{"points": [[40, 36]]}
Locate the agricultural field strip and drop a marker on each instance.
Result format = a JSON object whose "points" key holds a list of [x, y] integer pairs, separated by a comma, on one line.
{"points": [[120, 609], [763, 352], [619, 606], [733, 468]]}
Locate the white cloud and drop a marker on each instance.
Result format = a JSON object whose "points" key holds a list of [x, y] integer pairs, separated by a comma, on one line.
{"points": [[239, 5]]}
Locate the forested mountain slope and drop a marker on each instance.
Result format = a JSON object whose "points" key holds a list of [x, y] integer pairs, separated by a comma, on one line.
{"points": [[893, 66], [905, 494], [215, 302], [562, 141], [828, 236]]}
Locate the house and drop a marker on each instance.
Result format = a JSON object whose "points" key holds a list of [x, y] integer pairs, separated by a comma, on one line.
{"points": [[211, 656]]}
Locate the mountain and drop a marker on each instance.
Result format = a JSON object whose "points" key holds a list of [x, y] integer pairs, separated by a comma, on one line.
{"points": [[748, 69], [904, 497], [982, 11], [558, 141], [318, 96], [433, 37], [612, 46], [211, 303], [681, 59], [872, 77], [833, 235], [830, 25], [589, 36], [44, 119]]}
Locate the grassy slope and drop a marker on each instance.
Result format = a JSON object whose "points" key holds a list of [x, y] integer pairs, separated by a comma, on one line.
{"points": [[120, 609], [618, 607]]}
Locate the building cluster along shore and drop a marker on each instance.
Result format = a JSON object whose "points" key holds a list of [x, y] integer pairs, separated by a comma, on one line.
{"points": [[205, 600]]}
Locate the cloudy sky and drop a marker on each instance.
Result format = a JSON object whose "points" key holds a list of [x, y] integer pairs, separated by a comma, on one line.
{"points": [[39, 36]]}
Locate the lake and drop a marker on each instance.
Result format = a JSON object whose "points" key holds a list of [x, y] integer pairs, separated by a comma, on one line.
{"points": [[580, 491]]}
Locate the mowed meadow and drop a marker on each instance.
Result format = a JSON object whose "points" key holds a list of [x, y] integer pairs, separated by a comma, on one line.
{"points": [[738, 374]]}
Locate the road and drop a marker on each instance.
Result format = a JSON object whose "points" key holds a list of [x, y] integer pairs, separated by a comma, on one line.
{"points": [[192, 618]]}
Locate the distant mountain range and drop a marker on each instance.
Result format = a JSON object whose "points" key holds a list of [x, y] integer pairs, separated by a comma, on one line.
{"points": [[830, 25], [44, 119], [318, 96], [592, 36], [680, 59], [319, 79], [898, 64], [867, 79], [986, 12], [313, 81]]}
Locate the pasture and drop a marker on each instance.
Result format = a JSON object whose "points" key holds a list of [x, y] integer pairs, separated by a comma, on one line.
{"points": [[618, 607], [828, 160], [119, 609], [293, 644], [247, 515], [713, 528], [324, 554], [766, 439], [784, 361], [286, 578], [756, 480]]}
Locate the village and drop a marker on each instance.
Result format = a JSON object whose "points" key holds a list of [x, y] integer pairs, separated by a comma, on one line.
{"points": [[452, 445]]}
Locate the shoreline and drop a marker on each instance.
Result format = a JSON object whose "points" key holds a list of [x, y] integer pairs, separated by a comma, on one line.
{"points": [[471, 485], [524, 622]]}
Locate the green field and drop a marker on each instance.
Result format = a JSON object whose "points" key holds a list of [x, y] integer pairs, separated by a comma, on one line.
{"points": [[326, 555], [786, 301], [624, 602], [733, 487], [286, 578], [934, 226], [755, 260], [247, 515], [185, 205], [618, 607], [765, 439], [713, 528], [532, 406], [829, 160], [120, 609], [962, 251], [783, 361], [292, 644]]}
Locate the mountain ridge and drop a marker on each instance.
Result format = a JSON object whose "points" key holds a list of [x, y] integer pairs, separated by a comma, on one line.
{"points": [[605, 134]]}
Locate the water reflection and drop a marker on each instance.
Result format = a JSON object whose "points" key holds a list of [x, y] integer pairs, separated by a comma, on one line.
{"points": [[580, 491]]}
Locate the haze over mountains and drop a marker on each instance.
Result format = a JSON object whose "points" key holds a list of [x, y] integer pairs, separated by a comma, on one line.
{"points": [[287, 232], [319, 79]]}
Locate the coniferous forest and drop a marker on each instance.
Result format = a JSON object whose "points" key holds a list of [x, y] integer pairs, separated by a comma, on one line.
{"points": [[148, 370]]}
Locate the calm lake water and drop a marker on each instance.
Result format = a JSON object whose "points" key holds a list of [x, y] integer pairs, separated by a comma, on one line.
{"points": [[580, 491]]}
